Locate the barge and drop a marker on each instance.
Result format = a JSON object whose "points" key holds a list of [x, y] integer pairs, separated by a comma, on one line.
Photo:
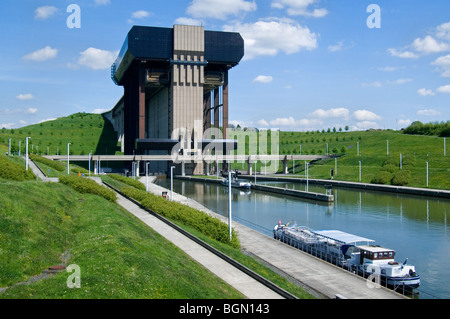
{"points": [[354, 253]]}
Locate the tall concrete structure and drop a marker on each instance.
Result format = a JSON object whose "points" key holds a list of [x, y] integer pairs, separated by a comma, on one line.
{"points": [[175, 88]]}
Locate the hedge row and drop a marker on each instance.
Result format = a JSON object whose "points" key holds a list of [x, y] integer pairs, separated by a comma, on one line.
{"points": [[88, 186], [127, 180], [53, 164], [13, 171], [206, 224]]}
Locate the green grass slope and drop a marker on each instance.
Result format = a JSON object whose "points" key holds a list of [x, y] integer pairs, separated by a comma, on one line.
{"points": [[118, 256], [86, 132], [416, 150]]}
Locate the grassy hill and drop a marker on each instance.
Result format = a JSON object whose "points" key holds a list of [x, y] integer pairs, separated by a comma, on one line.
{"points": [[86, 132], [416, 151]]}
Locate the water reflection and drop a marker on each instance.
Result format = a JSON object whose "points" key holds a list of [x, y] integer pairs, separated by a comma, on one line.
{"points": [[414, 226]]}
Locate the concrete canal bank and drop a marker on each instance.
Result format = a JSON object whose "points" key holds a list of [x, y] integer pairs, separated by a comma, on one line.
{"points": [[320, 277], [270, 189]]}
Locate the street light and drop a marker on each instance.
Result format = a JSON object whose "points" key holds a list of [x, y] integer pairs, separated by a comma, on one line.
{"points": [[90, 163], [68, 158], [26, 155], [229, 203], [171, 183]]}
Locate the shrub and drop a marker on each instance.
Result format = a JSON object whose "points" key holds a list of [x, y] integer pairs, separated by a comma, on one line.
{"points": [[13, 171], [53, 164], [390, 168], [382, 177], [88, 186], [128, 181], [206, 224], [401, 178]]}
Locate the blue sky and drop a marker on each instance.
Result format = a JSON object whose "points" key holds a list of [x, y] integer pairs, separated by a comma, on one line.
{"points": [[309, 64]]}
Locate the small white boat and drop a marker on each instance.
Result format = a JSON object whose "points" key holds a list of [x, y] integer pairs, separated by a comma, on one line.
{"points": [[237, 183]]}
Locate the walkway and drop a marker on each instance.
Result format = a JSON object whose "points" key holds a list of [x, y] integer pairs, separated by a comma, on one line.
{"points": [[248, 286], [312, 272]]}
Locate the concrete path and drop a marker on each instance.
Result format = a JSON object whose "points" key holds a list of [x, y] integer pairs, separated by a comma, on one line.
{"points": [[39, 173], [312, 272], [248, 286]]}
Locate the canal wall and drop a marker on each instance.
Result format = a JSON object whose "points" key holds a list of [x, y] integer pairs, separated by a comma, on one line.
{"points": [[362, 186], [271, 189]]}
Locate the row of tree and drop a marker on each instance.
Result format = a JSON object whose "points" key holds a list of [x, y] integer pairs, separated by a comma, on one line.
{"points": [[441, 129]]}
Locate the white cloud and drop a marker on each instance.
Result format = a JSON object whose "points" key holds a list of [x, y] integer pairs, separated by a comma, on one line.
{"points": [[331, 113], [444, 89], [426, 92], [400, 81], [44, 54], [102, 2], [97, 59], [404, 123], [403, 54], [389, 68], [45, 12], [263, 79], [290, 121], [141, 14], [365, 125], [428, 112], [263, 123], [443, 31], [365, 115], [337, 47], [376, 84], [269, 37], [443, 64], [31, 110], [219, 9], [429, 45], [7, 125], [25, 97], [189, 21], [299, 7]]}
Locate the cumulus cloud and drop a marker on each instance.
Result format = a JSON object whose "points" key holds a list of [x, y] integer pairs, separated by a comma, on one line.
{"points": [[25, 97], [435, 42], [270, 37], [365, 115], [444, 89], [263, 79], [299, 7], [428, 112], [426, 92], [443, 63], [331, 113], [45, 12], [189, 21], [336, 47], [97, 59], [44, 54], [429, 45], [219, 9]]}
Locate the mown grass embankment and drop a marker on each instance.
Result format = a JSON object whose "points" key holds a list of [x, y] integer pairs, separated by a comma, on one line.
{"points": [[374, 147], [119, 257], [207, 229]]}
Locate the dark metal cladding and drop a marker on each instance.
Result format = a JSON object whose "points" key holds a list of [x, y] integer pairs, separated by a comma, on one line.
{"points": [[156, 44]]}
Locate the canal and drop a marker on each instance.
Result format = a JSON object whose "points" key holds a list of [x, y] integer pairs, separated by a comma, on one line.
{"points": [[415, 227]]}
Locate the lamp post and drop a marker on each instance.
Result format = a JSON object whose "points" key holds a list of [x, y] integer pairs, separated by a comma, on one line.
{"points": [[171, 183], [146, 176], [90, 163], [229, 203], [9, 148], [68, 158], [26, 155]]}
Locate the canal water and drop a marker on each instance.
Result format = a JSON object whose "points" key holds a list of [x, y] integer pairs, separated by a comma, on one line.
{"points": [[415, 227]]}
